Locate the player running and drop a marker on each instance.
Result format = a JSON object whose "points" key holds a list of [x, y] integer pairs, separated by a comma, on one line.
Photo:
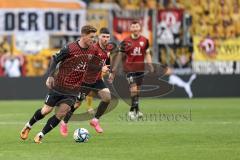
{"points": [[99, 87], [134, 49], [68, 70]]}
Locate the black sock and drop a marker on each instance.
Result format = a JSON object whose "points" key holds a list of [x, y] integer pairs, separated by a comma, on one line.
{"points": [[36, 117], [51, 123], [101, 109], [134, 106], [69, 115]]}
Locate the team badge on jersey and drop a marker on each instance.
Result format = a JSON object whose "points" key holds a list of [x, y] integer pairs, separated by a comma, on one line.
{"points": [[141, 43]]}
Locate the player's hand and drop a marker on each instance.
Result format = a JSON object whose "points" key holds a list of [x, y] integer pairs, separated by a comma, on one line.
{"points": [[105, 69], [111, 77], [50, 82], [150, 68]]}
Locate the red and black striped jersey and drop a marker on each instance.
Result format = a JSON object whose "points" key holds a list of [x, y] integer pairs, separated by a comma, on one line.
{"points": [[104, 55], [135, 53], [75, 66]]}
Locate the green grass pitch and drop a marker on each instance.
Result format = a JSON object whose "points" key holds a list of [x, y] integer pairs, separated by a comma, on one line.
{"points": [[182, 129]]}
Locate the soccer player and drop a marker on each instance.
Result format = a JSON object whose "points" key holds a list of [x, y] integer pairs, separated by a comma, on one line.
{"points": [[89, 97], [66, 74], [99, 87], [134, 49]]}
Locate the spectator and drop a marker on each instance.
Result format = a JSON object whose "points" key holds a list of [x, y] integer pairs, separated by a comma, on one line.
{"points": [[12, 65], [4, 45]]}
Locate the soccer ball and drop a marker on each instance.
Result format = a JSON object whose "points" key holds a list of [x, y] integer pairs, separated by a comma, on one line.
{"points": [[81, 135]]}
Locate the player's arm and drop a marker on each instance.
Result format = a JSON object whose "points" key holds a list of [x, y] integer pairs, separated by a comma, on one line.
{"points": [[148, 58], [116, 58], [112, 49], [58, 57], [105, 69]]}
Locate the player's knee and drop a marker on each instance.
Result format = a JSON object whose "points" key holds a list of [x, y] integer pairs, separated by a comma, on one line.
{"points": [[46, 110], [105, 95], [133, 90], [133, 87], [62, 112], [106, 98], [77, 104]]}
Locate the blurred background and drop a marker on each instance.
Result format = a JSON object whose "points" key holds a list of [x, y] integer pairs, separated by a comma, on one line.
{"points": [[197, 39]]}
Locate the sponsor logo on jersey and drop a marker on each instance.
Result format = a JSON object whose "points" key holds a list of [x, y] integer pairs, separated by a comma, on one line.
{"points": [[141, 43]]}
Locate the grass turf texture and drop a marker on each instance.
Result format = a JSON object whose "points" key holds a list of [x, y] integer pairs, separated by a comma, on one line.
{"points": [[212, 132]]}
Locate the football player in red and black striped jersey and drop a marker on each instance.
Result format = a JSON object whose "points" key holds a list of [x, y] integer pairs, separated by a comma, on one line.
{"points": [[68, 70], [99, 87], [135, 50]]}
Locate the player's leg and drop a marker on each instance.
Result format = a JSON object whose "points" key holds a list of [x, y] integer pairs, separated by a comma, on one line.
{"points": [[80, 98], [133, 95], [89, 100], [139, 80], [135, 81], [39, 114], [139, 114], [134, 101], [64, 122], [65, 106], [105, 96]]}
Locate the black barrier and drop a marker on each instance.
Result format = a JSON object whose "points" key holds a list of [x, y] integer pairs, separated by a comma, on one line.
{"points": [[202, 86], [22, 88], [209, 86]]}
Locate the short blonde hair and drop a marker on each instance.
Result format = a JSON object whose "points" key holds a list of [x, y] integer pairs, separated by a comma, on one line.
{"points": [[87, 29]]}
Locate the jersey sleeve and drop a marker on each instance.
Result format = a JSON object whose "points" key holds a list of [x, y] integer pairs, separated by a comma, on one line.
{"points": [[58, 57], [62, 54]]}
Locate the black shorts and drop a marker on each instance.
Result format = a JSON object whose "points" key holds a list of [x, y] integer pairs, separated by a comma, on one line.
{"points": [[135, 77], [55, 99], [99, 85]]}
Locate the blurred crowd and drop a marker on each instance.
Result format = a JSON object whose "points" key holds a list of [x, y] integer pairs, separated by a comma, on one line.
{"points": [[208, 18], [214, 18]]}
